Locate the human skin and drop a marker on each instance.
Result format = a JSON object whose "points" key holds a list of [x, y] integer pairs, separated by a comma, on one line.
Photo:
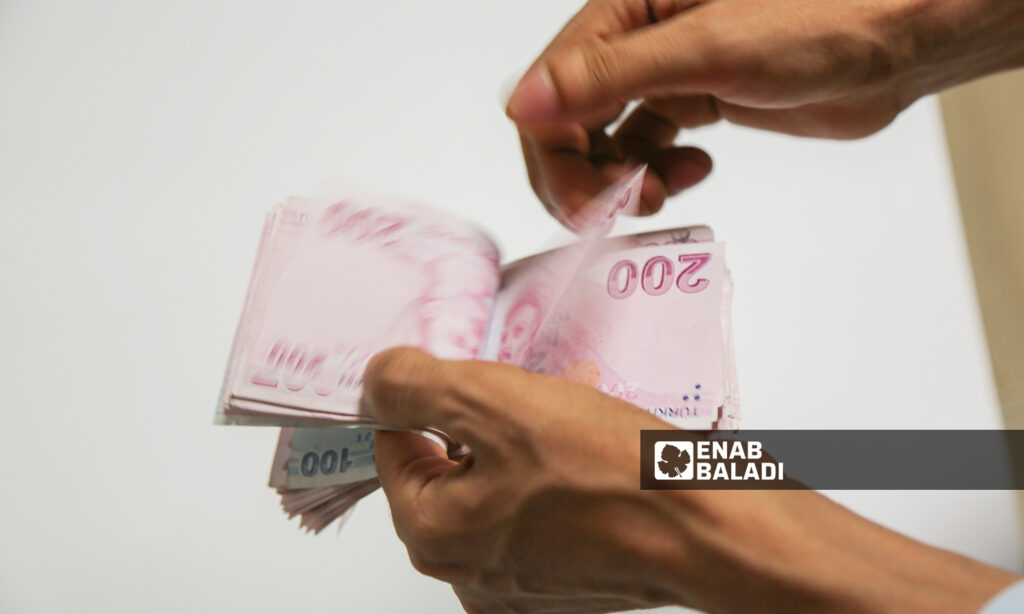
{"points": [[547, 514], [821, 69]]}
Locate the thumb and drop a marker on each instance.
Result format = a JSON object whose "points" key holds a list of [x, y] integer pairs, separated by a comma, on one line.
{"points": [[582, 78], [406, 462]]}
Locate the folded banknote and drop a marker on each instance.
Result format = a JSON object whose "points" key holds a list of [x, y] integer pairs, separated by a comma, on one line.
{"points": [[645, 318]]}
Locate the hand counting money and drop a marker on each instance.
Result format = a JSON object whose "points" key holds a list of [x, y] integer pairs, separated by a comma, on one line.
{"points": [[645, 318]]}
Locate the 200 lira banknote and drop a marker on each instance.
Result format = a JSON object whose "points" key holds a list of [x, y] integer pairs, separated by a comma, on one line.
{"points": [[643, 317]]}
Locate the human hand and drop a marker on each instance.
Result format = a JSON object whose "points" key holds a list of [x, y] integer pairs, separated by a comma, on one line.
{"points": [[547, 514], [823, 69], [494, 526]]}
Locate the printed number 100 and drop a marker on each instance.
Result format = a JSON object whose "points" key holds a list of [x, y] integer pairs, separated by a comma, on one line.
{"points": [[326, 463], [657, 276]]}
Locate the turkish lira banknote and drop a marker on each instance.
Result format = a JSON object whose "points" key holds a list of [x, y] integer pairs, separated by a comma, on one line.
{"points": [[645, 318]]}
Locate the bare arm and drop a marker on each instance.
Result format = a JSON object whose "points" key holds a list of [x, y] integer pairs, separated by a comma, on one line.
{"points": [[548, 516]]}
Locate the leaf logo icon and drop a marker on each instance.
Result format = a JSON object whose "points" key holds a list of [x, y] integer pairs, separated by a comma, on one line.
{"points": [[673, 461]]}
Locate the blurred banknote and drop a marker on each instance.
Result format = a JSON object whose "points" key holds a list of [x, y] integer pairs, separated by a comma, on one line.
{"points": [[645, 318]]}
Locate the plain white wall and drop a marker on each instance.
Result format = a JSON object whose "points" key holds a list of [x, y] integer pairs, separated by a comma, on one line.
{"points": [[141, 144]]}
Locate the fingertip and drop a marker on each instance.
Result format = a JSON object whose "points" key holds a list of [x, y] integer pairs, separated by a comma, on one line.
{"points": [[570, 183], [534, 98], [652, 195], [682, 168], [697, 156]]}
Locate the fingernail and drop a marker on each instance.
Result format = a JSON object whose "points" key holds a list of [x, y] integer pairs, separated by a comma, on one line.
{"points": [[534, 99]]}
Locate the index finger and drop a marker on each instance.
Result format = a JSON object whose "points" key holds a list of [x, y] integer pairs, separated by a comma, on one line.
{"points": [[406, 462]]}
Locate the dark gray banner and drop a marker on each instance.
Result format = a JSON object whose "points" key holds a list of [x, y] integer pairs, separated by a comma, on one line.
{"points": [[833, 460]]}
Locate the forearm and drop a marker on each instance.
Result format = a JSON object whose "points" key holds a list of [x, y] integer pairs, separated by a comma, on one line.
{"points": [[531, 524], [951, 42], [803, 553]]}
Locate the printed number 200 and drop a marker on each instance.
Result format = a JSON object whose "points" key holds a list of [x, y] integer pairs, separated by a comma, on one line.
{"points": [[657, 276]]}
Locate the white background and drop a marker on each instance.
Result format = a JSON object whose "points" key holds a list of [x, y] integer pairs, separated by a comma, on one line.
{"points": [[141, 144]]}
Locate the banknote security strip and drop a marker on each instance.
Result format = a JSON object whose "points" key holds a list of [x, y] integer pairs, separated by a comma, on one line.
{"points": [[645, 318]]}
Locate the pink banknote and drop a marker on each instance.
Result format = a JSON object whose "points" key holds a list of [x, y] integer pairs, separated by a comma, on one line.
{"points": [[645, 318], [335, 283], [338, 280]]}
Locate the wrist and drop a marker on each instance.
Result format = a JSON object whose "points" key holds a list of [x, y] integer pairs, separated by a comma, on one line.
{"points": [[950, 42], [796, 551]]}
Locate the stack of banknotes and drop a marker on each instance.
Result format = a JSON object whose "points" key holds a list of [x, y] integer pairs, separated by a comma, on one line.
{"points": [[645, 318]]}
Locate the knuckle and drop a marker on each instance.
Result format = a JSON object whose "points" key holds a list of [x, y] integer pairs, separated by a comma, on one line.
{"points": [[663, 9], [424, 565]]}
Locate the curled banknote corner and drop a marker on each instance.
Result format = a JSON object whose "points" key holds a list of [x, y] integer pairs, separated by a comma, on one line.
{"points": [[644, 317]]}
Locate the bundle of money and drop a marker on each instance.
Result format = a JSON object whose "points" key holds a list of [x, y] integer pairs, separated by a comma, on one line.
{"points": [[644, 317]]}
